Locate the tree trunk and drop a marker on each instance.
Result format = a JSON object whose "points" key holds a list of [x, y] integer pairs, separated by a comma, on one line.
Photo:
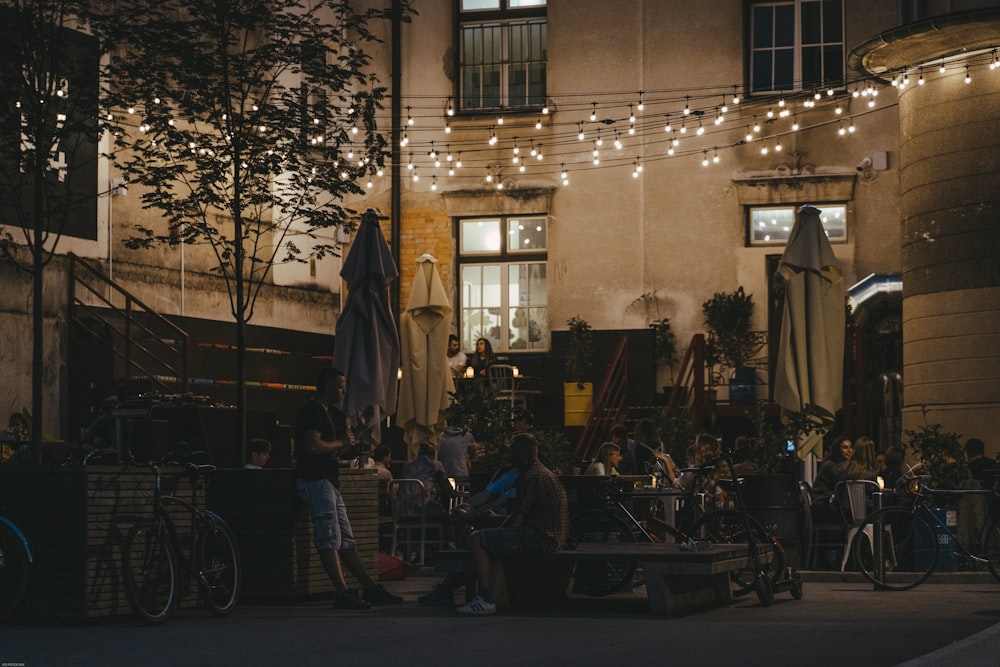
{"points": [[37, 316]]}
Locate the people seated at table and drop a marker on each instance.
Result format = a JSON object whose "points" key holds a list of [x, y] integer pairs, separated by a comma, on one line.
{"points": [[482, 358], [539, 522], [619, 436], [609, 456], [980, 467], [456, 358], [437, 489], [706, 450], [892, 467], [260, 454], [830, 471], [650, 455], [456, 450]]}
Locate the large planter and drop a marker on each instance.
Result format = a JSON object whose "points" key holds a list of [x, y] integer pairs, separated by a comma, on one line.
{"points": [[774, 501], [578, 402]]}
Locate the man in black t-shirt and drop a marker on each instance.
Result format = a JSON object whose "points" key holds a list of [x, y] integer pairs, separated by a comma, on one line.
{"points": [[320, 433]]}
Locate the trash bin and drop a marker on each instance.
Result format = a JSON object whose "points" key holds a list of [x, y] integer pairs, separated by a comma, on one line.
{"points": [[944, 535]]}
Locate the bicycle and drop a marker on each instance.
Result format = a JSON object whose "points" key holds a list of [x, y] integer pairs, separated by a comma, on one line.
{"points": [[15, 565], [152, 555], [897, 547], [615, 523]]}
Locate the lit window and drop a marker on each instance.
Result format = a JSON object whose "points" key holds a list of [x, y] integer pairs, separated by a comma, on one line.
{"points": [[796, 45], [504, 284], [502, 54], [773, 225]]}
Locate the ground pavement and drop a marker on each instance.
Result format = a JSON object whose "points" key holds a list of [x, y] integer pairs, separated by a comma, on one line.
{"points": [[840, 621]]}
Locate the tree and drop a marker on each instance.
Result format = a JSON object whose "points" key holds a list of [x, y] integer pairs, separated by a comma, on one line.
{"points": [[49, 127], [246, 123]]}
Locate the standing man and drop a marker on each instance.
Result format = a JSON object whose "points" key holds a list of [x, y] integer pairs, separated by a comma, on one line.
{"points": [[539, 521], [320, 433], [456, 358]]}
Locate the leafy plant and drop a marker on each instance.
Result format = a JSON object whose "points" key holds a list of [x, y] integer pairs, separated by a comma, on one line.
{"points": [[664, 343], [476, 407], [771, 436], [580, 351], [729, 319], [676, 429], [941, 453], [246, 125]]}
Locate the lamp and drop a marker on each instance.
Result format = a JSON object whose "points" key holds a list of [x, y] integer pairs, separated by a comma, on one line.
{"points": [[514, 370], [470, 372]]}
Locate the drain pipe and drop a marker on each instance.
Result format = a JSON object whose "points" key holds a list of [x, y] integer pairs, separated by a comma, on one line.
{"points": [[396, 90]]}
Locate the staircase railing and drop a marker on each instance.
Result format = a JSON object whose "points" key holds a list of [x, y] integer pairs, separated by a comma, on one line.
{"points": [[689, 383], [149, 345], [609, 402]]}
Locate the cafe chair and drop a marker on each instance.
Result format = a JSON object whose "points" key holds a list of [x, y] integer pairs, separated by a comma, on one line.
{"points": [[501, 376], [857, 497], [411, 526], [818, 536]]}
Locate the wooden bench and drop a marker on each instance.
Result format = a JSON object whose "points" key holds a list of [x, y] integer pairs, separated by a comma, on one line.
{"points": [[677, 580]]}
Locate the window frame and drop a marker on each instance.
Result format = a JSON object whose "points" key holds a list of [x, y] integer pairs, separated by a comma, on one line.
{"points": [[752, 243], [505, 19], [797, 49], [504, 259]]}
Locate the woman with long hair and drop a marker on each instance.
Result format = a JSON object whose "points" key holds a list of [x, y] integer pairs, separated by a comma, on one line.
{"points": [[482, 358], [649, 451], [608, 458]]}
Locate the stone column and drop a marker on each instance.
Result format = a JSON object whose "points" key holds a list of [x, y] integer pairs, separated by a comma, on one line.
{"points": [[949, 167]]}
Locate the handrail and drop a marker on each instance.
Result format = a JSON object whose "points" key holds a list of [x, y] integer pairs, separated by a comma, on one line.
{"points": [[691, 377], [173, 352], [609, 402]]}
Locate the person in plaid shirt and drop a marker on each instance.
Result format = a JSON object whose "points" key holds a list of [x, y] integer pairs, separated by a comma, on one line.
{"points": [[538, 521]]}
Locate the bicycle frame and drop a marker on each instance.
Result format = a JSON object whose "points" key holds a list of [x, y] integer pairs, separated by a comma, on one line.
{"points": [[199, 519], [922, 505], [20, 536]]}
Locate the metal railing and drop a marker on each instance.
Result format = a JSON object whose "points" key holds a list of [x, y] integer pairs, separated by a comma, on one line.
{"points": [[149, 345]]}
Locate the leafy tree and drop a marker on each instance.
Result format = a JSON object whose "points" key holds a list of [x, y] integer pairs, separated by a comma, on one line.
{"points": [[246, 123], [49, 131]]}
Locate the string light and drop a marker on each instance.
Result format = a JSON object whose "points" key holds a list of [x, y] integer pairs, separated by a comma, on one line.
{"points": [[593, 114], [451, 108], [640, 106], [968, 75], [409, 118]]}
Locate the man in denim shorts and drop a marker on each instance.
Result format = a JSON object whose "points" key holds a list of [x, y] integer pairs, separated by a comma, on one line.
{"points": [[539, 521], [320, 433]]}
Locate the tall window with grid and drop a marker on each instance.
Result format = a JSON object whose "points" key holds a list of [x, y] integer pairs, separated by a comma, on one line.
{"points": [[796, 45], [502, 53], [503, 282]]}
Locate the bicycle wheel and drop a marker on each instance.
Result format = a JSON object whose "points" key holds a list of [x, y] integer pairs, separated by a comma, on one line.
{"points": [[149, 569], [991, 544], [895, 548], [729, 527], [217, 561], [15, 564], [601, 577]]}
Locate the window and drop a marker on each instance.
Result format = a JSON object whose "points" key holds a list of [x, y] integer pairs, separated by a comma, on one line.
{"points": [[772, 225], [504, 287], [796, 45], [502, 54]]}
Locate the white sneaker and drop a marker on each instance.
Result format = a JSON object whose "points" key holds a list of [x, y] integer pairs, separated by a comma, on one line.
{"points": [[478, 607]]}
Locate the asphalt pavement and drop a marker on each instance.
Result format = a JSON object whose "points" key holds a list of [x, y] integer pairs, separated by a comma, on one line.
{"points": [[839, 621]]}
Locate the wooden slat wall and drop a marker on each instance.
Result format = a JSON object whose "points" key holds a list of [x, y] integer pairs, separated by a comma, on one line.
{"points": [[76, 521], [275, 533]]}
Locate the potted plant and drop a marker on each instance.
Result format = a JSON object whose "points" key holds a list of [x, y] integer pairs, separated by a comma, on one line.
{"points": [[578, 390], [664, 349], [732, 341], [940, 454]]}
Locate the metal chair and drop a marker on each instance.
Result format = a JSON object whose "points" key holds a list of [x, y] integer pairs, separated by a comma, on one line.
{"points": [[817, 535], [410, 523], [857, 496], [501, 376]]}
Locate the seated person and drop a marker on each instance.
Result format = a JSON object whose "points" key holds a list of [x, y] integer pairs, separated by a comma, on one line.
{"points": [[456, 449], [485, 509], [456, 358], [260, 454], [437, 489], [539, 522], [609, 456]]}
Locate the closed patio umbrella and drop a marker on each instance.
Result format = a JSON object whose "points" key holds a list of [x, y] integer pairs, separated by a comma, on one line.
{"points": [[427, 381], [810, 367], [366, 347]]}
